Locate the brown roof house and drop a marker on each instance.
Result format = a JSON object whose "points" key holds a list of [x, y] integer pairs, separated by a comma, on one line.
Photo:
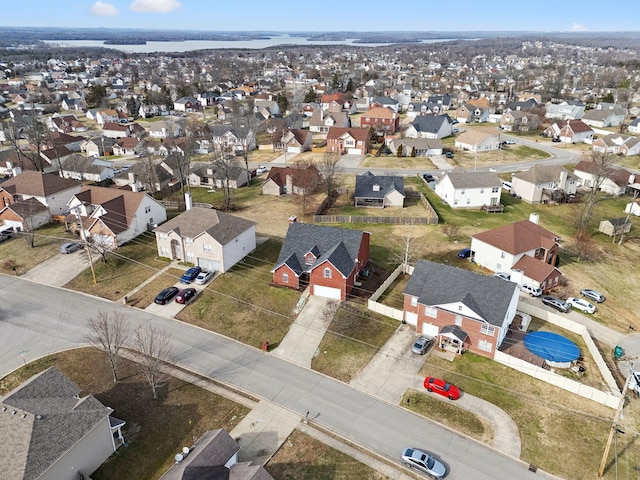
{"points": [[291, 180], [112, 217], [49, 432], [613, 180], [206, 237], [478, 140], [525, 250], [570, 131], [352, 141], [49, 189], [214, 457], [26, 215]]}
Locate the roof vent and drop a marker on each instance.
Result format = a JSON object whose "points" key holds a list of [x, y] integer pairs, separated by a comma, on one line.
{"points": [[24, 415], [14, 412]]}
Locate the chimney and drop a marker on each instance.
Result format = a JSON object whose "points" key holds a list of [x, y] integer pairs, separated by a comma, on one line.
{"points": [[534, 218], [563, 178], [188, 201], [632, 178]]}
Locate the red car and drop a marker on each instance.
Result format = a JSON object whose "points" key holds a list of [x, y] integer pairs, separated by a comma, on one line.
{"points": [[185, 295], [445, 389]]}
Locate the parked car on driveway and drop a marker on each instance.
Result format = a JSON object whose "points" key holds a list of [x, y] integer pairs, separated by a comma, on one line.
{"points": [[422, 461], [422, 345], [70, 247], [190, 275], [556, 303], [503, 276], [204, 276], [594, 295], [438, 385], [581, 304], [261, 169], [531, 289], [166, 295], [428, 177], [185, 295]]}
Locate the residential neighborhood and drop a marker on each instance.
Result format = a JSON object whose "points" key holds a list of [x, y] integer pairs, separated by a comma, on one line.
{"points": [[256, 258]]}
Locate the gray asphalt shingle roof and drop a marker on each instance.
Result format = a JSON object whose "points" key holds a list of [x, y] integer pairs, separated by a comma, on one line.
{"points": [[340, 246], [437, 284], [366, 182]]}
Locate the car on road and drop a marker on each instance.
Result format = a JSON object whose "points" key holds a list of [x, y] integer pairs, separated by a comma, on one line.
{"points": [[438, 385], [531, 289], [422, 461], [594, 295], [204, 276], [581, 304], [421, 345], [185, 295], [70, 247], [166, 295], [190, 275], [465, 253], [556, 303], [509, 142]]}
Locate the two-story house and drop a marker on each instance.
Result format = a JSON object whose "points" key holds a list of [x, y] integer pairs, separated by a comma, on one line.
{"points": [[544, 183], [352, 141], [430, 126], [384, 121], [462, 189]]}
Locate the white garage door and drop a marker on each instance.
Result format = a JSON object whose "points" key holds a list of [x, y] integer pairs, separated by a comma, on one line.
{"points": [[411, 318], [207, 264], [430, 330], [328, 292], [354, 151]]}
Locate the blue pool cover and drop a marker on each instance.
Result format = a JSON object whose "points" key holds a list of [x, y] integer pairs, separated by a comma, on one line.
{"points": [[551, 346]]}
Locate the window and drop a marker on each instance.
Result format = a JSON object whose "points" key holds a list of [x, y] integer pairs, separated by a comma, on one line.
{"points": [[327, 273], [188, 241], [462, 191], [190, 256], [487, 329], [147, 209], [485, 346], [482, 190], [414, 301], [285, 278], [458, 320], [206, 248], [310, 259], [494, 190], [165, 252], [501, 254], [431, 312], [163, 236], [468, 201]]}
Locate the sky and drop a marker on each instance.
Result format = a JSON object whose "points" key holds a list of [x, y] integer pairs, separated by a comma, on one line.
{"points": [[327, 15]]}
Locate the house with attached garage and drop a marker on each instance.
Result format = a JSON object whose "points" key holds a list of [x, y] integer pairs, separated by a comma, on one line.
{"points": [[613, 180], [544, 184], [478, 140], [352, 141], [291, 180], [50, 190], [462, 189], [430, 126], [464, 310], [379, 191], [322, 120], [415, 147], [566, 110], [111, 217], [212, 239], [524, 249], [49, 432], [617, 143], [81, 167], [25, 215], [570, 131], [327, 259], [605, 115]]}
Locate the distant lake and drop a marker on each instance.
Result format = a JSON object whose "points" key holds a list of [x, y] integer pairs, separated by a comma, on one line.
{"points": [[189, 45]]}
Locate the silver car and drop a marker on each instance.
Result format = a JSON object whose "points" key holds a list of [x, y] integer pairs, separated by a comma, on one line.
{"points": [[594, 295], [421, 345], [70, 247], [422, 461]]}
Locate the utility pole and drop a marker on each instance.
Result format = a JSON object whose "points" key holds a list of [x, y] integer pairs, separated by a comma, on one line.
{"points": [[614, 427], [84, 241]]}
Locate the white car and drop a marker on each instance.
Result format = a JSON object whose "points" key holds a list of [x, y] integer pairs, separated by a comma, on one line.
{"points": [[531, 289], [204, 276], [581, 304], [261, 169]]}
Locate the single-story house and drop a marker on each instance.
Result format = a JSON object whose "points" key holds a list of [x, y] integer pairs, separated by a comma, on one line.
{"points": [[464, 310], [291, 180], [415, 147], [544, 183], [605, 115], [49, 432], [478, 140], [328, 259], [379, 191], [613, 181], [81, 167], [212, 239], [617, 143]]}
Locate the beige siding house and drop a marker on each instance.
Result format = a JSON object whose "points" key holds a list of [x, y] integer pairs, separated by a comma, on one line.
{"points": [[209, 238]]}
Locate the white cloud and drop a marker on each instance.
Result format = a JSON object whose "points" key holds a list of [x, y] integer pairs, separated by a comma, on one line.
{"points": [[155, 6], [102, 9], [578, 27]]}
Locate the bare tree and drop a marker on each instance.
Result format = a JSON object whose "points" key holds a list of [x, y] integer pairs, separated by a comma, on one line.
{"points": [[408, 243], [153, 350], [451, 231], [305, 182], [330, 171], [109, 332], [246, 126], [226, 169], [602, 165]]}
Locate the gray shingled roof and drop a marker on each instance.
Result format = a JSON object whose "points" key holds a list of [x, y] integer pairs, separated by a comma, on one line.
{"points": [[430, 123], [365, 185], [438, 284], [41, 420], [339, 246], [463, 179], [222, 227]]}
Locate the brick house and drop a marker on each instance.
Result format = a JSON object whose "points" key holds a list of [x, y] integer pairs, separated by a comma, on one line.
{"points": [[352, 141], [49, 189], [383, 120], [26, 215], [328, 259], [570, 131], [464, 310], [525, 250], [291, 180]]}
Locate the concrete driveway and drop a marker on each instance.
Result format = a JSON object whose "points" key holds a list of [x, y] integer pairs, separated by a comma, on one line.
{"points": [[172, 308], [59, 269]]}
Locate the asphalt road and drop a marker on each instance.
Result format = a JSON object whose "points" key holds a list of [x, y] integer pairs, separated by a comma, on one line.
{"points": [[36, 321]]}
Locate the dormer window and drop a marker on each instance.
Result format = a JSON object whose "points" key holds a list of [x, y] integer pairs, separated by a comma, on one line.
{"points": [[310, 258]]}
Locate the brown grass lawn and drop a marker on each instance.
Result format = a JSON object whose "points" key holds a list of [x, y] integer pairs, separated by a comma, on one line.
{"points": [[561, 433], [146, 295], [354, 336], [241, 304], [156, 429], [16, 252], [393, 163], [304, 458]]}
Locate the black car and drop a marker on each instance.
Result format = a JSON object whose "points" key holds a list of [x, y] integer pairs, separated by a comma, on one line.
{"points": [[428, 177], [166, 295], [557, 303]]}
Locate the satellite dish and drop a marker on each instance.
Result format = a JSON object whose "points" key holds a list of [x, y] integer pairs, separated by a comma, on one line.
{"points": [[185, 450], [178, 457]]}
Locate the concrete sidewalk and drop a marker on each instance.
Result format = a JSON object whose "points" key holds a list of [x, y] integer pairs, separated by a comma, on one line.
{"points": [[301, 342]]}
